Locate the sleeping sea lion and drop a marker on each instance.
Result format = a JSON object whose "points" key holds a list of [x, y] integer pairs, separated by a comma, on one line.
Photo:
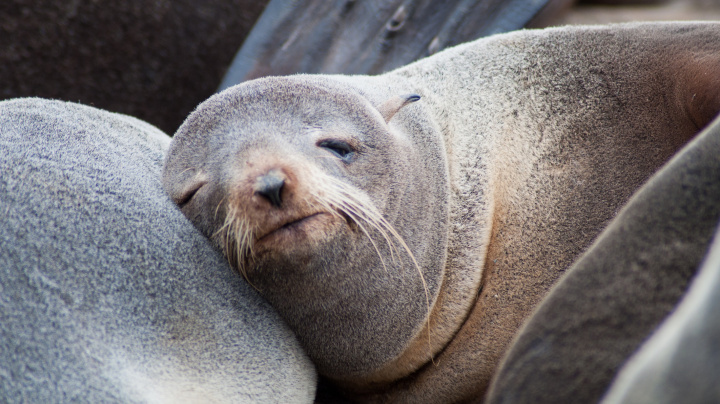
{"points": [[404, 225]]}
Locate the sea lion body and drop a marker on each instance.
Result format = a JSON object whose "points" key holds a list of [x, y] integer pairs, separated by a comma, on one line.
{"points": [[520, 150], [107, 293], [679, 363]]}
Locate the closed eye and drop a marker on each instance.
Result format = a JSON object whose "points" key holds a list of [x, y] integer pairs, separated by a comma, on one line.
{"points": [[188, 194], [340, 148]]}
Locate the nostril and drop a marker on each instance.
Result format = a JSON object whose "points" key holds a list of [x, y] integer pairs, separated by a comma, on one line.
{"points": [[270, 185]]}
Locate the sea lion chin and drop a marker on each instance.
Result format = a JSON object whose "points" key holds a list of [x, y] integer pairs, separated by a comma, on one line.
{"points": [[406, 242]]}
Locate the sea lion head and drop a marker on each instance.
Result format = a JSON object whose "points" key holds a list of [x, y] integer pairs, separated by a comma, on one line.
{"points": [[331, 201]]}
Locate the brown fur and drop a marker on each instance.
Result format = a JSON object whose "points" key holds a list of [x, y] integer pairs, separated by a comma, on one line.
{"points": [[522, 148], [618, 292]]}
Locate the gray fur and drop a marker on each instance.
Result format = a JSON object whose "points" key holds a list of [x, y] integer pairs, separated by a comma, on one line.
{"points": [[535, 139], [681, 362], [107, 293], [237, 121]]}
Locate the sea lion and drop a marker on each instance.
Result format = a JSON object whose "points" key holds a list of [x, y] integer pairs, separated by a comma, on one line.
{"points": [[405, 242], [108, 293], [116, 55], [608, 303], [679, 363]]}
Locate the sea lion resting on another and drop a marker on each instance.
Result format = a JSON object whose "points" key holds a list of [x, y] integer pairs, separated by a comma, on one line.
{"points": [[522, 147]]}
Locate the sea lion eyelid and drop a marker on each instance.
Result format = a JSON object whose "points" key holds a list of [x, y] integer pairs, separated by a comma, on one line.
{"points": [[188, 194], [340, 148]]}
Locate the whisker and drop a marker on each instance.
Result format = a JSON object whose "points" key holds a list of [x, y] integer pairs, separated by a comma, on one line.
{"points": [[377, 250], [236, 236], [217, 208], [341, 200], [186, 170], [370, 216], [346, 201]]}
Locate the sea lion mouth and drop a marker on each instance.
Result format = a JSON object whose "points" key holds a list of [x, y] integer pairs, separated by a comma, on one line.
{"points": [[291, 227]]}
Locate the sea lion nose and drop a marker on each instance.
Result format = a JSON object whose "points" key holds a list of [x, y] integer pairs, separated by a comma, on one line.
{"points": [[270, 185]]}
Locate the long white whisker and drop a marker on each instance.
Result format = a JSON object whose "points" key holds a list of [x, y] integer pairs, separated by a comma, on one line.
{"points": [[377, 225], [377, 250], [370, 216], [217, 208], [346, 201]]}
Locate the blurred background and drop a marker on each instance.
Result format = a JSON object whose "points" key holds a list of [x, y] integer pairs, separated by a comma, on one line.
{"points": [[157, 59]]}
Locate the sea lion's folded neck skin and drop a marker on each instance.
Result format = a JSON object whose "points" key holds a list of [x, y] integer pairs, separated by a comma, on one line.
{"points": [[368, 217]]}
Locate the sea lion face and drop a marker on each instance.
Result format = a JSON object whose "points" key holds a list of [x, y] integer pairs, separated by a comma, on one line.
{"points": [[314, 198]]}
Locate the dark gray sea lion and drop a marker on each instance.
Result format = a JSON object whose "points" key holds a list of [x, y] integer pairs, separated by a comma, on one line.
{"points": [[680, 363], [612, 299], [107, 293], [361, 37], [406, 242]]}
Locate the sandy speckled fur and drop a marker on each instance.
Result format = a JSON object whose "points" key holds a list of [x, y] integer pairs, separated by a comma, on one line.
{"points": [[531, 141], [107, 292]]}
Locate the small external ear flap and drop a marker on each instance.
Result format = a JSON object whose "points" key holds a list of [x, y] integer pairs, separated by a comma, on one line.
{"points": [[389, 108]]}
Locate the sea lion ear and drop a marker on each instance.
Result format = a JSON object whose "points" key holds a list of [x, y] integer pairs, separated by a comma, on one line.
{"points": [[389, 108]]}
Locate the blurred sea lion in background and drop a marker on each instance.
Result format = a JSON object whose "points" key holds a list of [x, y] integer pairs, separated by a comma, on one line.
{"points": [[154, 60], [372, 37]]}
